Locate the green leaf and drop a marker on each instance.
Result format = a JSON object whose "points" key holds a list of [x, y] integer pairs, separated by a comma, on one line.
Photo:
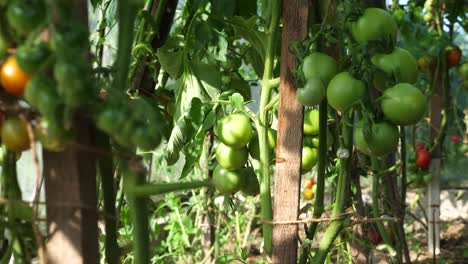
{"points": [[223, 8], [246, 8], [246, 28], [170, 56], [95, 3]]}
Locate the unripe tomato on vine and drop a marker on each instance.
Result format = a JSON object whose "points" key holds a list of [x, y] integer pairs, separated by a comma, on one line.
{"points": [[12, 78]]}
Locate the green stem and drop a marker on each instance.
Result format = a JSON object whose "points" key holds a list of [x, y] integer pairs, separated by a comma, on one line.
{"points": [[148, 189], [138, 207], [112, 250], [403, 170], [321, 166], [343, 174], [127, 11], [265, 192], [375, 205]]}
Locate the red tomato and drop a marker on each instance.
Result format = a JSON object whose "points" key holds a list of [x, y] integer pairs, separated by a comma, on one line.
{"points": [[309, 183], [374, 236], [423, 158], [13, 79], [453, 56], [419, 146], [455, 139]]}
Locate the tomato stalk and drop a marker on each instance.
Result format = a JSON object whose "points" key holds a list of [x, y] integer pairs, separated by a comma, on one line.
{"points": [[375, 205], [127, 11], [148, 189], [322, 159], [138, 207], [112, 250], [343, 167], [262, 125]]}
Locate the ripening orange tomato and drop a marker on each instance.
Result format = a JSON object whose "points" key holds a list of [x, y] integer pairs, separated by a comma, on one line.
{"points": [[12, 78], [309, 194]]}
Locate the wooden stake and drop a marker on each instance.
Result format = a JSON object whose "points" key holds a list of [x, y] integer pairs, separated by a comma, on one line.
{"points": [[290, 126], [433, 210]]}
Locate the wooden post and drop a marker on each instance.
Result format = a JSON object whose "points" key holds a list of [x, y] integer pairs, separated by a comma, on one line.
{"points": [[290, 126], [71, 192], [70, 188], [433, 194]]}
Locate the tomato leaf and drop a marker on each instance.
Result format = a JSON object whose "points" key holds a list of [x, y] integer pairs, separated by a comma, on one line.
{"points": [[170, 56], [223, 8]]}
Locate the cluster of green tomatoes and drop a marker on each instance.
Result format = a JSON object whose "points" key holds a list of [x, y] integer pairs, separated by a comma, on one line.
{"points": [[237, 140], [394, 73]]}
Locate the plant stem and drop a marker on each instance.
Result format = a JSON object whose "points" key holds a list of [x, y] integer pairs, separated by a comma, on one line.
{"points": [[149, 189], [343, 174], [112, 250], [127, 11], [321, 166], [265, 192], [375, 205], [403, 170], [138, 207]]}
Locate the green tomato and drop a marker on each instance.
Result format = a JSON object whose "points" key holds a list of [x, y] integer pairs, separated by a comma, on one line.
{"points": [[226, 181], [31, 58], [70, 39], [249, 184], [311, 122], [312, 93], [235, 130], [319, 65], [403, 104], [382, 139], [24, 16], [427, 178], [146, 137], [309, 158], [72, 84], [400, 64], [344, 91], [374, 24], [464, 71], [313, 141], [52, 136], [15, 134], [41, 93], [230, 158], [254, 147]]}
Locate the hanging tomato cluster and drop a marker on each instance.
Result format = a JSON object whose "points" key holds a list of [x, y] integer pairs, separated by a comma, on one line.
{"points": [[53, 74], [391, 70], [236, 139]]}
